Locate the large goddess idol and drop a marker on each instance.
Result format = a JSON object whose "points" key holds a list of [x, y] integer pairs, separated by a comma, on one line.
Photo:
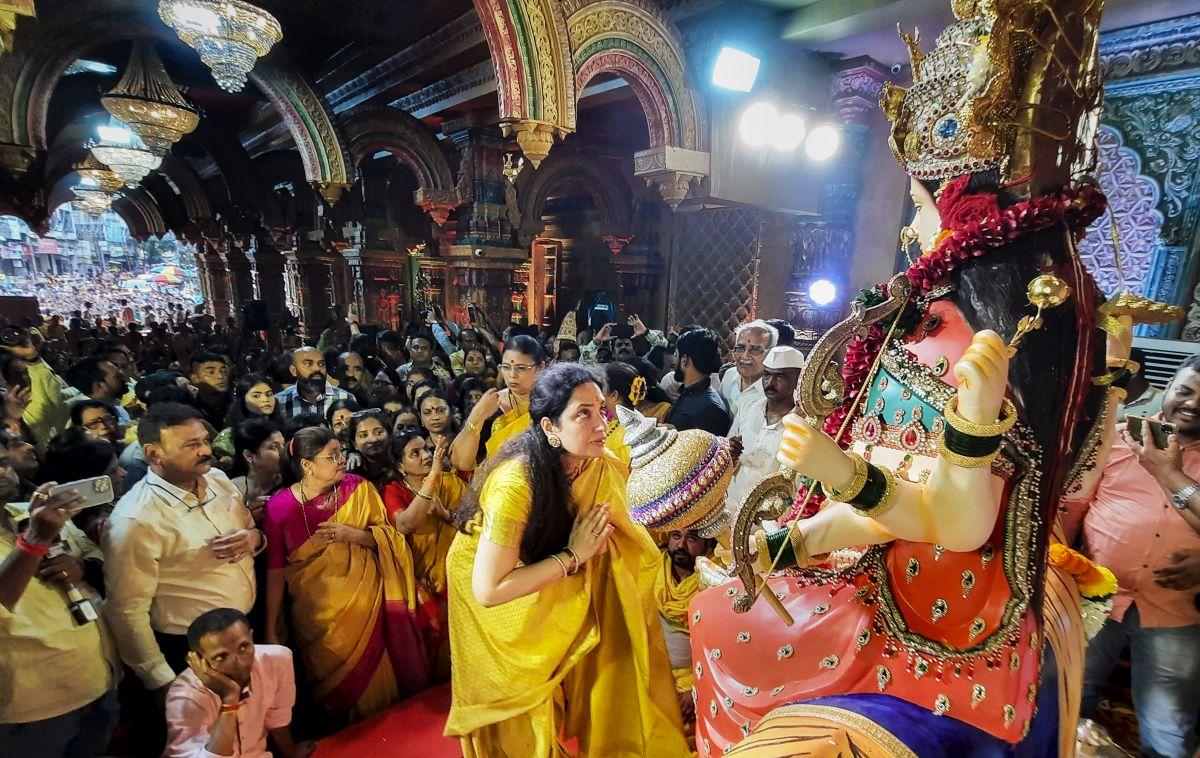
{"points": [[910, 611]]}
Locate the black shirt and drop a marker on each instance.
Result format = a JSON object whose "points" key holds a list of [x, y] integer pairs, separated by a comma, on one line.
{"points": [[700, 407]]}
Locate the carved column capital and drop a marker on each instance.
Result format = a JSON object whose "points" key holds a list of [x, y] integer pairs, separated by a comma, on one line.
{"points": [[437, 203], [675, 171], [534, 137], [855, 88], [331, 191]]}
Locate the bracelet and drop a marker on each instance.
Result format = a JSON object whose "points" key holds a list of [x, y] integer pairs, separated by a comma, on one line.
{"points": [[262, 543], [575, 562], [472, 426], [228, 708], [854, 487], [782, 549], [965, 460], [879, 495], [422, 496], [562, 565], [799, 549], [968, 445], [1008, 419], [32, 548]]}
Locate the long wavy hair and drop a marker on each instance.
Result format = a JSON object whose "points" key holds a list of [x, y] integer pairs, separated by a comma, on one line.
{"points": [[1049, 377], [551, 513]]}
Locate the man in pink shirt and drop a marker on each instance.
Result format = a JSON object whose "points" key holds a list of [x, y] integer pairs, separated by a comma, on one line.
{"points": [[234, 694], [1142, 521]]}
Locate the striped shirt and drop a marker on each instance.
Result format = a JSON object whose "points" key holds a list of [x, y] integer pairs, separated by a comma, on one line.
{"points": [[293, 403]]}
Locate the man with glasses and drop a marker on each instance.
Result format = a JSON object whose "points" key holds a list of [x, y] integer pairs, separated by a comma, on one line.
{"points": [[179, 543], [743, 386]]}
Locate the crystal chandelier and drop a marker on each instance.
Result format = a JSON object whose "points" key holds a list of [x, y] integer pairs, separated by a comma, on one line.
{"points": [[125, 153], [149, 102], [91, 199], [230, 35], [95, 174]]}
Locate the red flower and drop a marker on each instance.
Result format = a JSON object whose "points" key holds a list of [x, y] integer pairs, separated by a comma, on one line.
{"points": [[969, 211]]}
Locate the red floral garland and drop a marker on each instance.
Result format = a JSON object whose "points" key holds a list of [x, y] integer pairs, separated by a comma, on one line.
{"points": [[972, 224]]}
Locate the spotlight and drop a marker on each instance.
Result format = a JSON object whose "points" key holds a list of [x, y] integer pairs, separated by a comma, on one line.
{"points": [[788, 133], [822, 142], [735, 69], [758, 124], [822, 292]]}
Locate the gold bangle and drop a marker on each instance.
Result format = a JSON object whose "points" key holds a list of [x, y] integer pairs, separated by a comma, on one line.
{"points": [[799, 549], [472, 426], [855, 485], [561, 564], [574, 560], [886, 502], [964, 461], [1008, 419]]}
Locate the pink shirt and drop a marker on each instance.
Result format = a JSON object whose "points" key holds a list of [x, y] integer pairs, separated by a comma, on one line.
{"points": [[192, 708], [1130, 526]]}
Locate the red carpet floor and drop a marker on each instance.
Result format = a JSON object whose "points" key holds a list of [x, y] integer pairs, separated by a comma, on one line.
{"points": [[412, 728]]}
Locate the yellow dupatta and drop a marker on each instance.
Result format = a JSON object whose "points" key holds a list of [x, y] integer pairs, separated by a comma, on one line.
{"points": [[505, 427], [592, 636], [674, 596], [339, 590]]}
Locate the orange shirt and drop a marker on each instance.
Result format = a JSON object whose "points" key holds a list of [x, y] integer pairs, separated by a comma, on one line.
{"points": [[1130, 526]]}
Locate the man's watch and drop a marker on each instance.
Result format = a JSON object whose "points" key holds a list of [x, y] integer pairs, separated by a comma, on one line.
{"points": [[1180, 499]]}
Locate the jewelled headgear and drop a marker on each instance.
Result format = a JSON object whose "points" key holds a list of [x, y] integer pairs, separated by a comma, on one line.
{"points": [[1006, 88], [678, 479]]}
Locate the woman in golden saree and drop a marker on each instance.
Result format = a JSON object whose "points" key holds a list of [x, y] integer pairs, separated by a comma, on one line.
{"points": [[553, 627], [350, 578]]}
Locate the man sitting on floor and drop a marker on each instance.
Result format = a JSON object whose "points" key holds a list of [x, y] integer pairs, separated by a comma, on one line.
{"points": [[233, 695], [676, 586]]}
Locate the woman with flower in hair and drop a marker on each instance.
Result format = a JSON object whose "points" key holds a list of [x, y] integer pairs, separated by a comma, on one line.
{"points": [[626, 389], [553, 630]]}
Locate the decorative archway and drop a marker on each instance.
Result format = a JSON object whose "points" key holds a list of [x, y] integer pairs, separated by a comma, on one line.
{"points": [[141, 214], [369, 130], [28, 78], [608, 187], [531, 52]]}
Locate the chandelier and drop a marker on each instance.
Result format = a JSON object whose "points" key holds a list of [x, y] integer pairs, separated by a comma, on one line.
{"points": [[229, 35], [125, 153], [91, 200], [149, 102], [96, 175]]}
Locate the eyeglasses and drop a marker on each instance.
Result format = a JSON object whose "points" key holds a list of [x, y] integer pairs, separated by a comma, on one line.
{"points": [[749, 349], [98, 423], [335, 458], [517, 368]]}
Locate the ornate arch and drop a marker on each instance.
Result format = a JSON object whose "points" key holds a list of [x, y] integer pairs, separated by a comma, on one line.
{"points": [[368, 130], [28, 78], [634, 41], [531, 52], [1134, 198], [191, 192], [609, 188], [141, 214]]}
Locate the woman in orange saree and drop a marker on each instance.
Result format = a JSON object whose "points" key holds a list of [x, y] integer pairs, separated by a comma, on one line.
{"points": [[349, 575]]}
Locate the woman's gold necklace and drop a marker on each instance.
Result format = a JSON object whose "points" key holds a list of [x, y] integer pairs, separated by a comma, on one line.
{"points": [[322, 506]]}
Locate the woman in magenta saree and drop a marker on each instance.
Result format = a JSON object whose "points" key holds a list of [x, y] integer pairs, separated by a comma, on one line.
{"points": [[349, 576]]}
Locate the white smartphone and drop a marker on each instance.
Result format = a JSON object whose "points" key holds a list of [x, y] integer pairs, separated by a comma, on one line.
{"points": [[95, 491]]}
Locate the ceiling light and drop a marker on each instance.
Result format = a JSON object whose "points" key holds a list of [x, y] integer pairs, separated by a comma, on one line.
{"points": [[229, 35], [94, 202], [823, 142], [787, 132], [125, 153], [757, 124], [96, 175], [735, 70], [149, 102]]}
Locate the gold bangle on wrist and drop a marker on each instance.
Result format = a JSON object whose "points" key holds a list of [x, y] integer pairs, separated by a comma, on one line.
{"points": [[575, 563], [799, 549], [561, 564], [1008, 419], [854, 486], [472, 426], [965, 461], [886, 502]]}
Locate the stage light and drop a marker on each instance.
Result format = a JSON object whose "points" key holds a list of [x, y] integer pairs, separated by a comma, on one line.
{"points": [[787, 132], [822, 292], [735, 69], [757, 125], [823, 142]]}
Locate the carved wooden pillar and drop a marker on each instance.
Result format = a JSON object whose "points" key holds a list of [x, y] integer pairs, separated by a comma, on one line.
{"points": [[294, 288], [219, 283]]}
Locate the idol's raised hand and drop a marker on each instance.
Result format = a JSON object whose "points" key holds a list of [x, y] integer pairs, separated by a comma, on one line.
{"points": [[811, 452], [982, 376]]}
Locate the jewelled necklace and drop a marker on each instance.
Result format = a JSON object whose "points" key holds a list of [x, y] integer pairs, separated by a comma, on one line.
{"points": [[325, 505]]}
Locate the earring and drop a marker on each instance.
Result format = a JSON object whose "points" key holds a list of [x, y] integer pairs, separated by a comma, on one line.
{"points": [[554, 440], [908, 236]]}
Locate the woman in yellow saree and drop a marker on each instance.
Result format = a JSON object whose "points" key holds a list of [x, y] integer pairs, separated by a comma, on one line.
{"points": [[554, 633], [349, 575], [522, 361]]}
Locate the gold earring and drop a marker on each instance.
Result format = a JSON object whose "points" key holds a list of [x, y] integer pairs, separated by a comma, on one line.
{"points": [[908, 237], [554, 440]]}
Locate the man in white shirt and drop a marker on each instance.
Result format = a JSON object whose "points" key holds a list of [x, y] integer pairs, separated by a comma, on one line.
{"points": [[759, 425], [744, 385], [179, 543]]}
